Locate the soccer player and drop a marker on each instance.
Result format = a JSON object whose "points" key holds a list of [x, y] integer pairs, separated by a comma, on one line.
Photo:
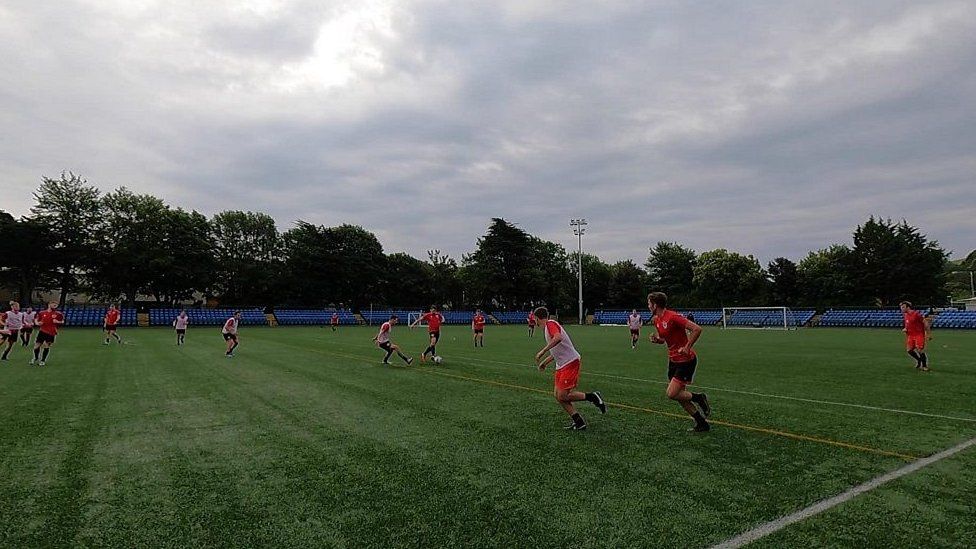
{"points": [[180, 323], [478, 327], [917, 330], [48, 321], [13, 322], [531, 322], [230, 333], [674, 329], [335, 321], [567, 359], [434, 320], [634, 321], [384, 342], [111, 324], [28, 329]]}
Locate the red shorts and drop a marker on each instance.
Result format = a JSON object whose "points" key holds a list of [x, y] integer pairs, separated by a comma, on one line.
{"points": [[568, 375], [915, 341]]}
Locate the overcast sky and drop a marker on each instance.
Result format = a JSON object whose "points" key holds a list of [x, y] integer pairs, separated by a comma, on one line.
{"points": [[766, 127]]}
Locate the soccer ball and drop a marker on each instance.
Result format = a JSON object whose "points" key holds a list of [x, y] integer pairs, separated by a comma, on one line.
{"points": [[438, 360]]}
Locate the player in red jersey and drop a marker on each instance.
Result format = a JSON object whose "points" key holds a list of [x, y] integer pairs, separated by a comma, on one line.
{"points": [[383, 341], [434, 320], [111, 324], [478, 327], [48, 322], [917, 330], [335, 321], [531, 322], [674, 329], [567, 358]]}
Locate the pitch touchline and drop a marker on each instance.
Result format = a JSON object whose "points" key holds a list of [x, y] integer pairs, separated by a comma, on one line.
{"points": [[817, 508]]}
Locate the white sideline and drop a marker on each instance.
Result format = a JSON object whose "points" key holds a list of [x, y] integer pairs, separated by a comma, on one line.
{"points": [[819, 507]]}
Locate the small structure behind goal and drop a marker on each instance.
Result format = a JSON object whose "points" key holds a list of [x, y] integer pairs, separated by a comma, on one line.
{"points": [[769, 318]]}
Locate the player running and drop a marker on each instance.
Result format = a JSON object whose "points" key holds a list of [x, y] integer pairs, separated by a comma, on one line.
{"points": [[478, 327], [434, 320], [567, 359], [335, 321], [917, 330], [179, 324], [634, 322], [28, 329], [111, 324], [384, 342], [13, 322], [673, 329], [531, 321], [229, 332], [48, 321]]}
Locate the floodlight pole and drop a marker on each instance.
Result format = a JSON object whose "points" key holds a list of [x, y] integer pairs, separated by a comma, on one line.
{"points": [[578, 226]]}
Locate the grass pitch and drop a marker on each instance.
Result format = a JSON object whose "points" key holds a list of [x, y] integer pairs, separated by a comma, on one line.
{"points": [[305, 439]]}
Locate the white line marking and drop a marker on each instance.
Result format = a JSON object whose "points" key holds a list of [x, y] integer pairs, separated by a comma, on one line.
{"points": [[819, 507]]}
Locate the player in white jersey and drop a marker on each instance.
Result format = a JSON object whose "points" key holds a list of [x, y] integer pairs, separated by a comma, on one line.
{"points": [[230, 333], [28, 329], [13, 322], [180, 324], [634, 322], [560, 350], [383, 341]]}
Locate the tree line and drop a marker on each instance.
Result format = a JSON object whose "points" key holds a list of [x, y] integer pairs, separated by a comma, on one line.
{"points": [[118, 246]]}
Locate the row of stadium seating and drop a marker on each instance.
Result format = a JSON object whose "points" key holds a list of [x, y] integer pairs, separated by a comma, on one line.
{"points": [[955, 320], [864, 318], [769, 318], [313, 317], [84, 316], [511, 317], [207, 317], [706, 317]]}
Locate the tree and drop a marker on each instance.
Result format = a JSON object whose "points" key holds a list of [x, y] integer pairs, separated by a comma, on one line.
{"points": [[408, 281], [895, 261], [727, 278], [247, 249], [826, 277], [445, 284], [70, 210], [187, 262], [596, 280], [26, 256], [627, 285], [958, 276], [783, 281], [670, 269]]}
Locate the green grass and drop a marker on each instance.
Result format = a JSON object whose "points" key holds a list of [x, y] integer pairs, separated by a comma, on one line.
{"points": [[304, 439]]}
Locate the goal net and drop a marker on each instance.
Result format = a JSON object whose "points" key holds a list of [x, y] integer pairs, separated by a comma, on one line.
{"points": [[768, 318], [413, 317]]}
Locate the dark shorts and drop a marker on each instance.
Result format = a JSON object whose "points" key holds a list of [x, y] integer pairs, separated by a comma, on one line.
{"points": [[12, 336], [111, 327], [435, 335], [43, 337], [635, 332], [683, 371], [479, 330], [386, 346], [27, 330], [228, 337], [180, 331]]}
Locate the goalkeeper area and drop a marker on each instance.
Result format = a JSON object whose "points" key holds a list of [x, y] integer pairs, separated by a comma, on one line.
{"points": [[305, 439]]}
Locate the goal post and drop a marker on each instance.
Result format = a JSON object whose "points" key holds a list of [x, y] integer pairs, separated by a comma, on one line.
{"points": [[413, 317], [769, 318]]}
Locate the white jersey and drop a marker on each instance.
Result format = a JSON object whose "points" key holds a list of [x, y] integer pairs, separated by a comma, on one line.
{"points": [[634, 321], [564, 352], [384, 335], [181, 322], [29, 319], [230, 327], [15, 321]]}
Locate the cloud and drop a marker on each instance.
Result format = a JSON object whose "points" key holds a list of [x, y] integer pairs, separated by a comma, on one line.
{"points": [[770, 128]]}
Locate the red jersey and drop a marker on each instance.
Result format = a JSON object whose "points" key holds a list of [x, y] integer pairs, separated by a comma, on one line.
{"points": [[531, 319], [479, 322], [112, 317], [433, 321], [914, 323], [47, 321], [335, 319], [673, 329]]}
